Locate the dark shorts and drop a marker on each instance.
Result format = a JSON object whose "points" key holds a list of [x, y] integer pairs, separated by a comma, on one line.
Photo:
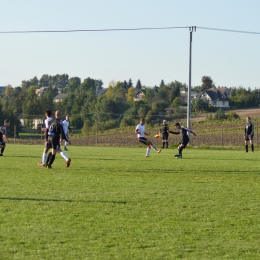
{"points": [[54, 143], [165, 136], [142, 140], [184, 142], [249, 137], [47, 145], [2, 142]]}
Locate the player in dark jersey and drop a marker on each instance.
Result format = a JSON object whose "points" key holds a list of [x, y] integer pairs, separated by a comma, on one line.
{"points": [[54, 133], [3, 134], [249, 134], [185, 137], [165, 134]]}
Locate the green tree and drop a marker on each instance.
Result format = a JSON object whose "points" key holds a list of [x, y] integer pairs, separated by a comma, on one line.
{"points": [[162, 83], [130, 83], [177, 102], [138, 85], [207, 82], [73, 84], [200, 105], [220, 115], [45, 81]]}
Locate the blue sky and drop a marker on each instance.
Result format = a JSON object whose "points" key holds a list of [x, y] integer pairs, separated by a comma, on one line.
{"points": [[230, 59]]}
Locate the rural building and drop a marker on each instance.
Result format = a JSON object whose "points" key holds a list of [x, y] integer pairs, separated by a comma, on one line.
{"points": [[214, 97]]}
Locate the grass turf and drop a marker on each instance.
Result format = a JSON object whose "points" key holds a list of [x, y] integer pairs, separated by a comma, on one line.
{"points": [[113, 203]]}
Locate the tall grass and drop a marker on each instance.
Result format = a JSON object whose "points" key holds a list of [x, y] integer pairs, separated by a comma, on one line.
{"points": [[113, 203]]}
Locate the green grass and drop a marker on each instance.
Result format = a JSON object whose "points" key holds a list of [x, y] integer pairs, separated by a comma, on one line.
{"points": [[113, 203]]}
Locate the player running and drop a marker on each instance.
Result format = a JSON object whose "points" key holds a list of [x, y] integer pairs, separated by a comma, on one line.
{"points": [[140, 131], [185, 137]]}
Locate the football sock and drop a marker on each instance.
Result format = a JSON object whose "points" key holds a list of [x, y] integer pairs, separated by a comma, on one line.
{"points": [[246, 147], [64, 155], [52, 159], [2, 149], [252, 147], [180, 150], [154, 147], [166, 144], [48, 158], [44, 157], [148, 151]]}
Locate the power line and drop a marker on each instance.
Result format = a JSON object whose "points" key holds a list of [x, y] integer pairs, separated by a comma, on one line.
{"points": [[97, 30], [128, 29], [227, 30]]}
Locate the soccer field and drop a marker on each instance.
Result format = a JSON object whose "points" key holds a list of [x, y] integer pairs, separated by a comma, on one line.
{"points": [[113, 203]]}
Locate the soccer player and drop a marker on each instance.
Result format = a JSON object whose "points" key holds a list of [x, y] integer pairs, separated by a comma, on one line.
{"points": [[249, 134], [47, 146], [165, 134], [66, 126], [140, 131], [185, 137], [3, 134], [55, 133]]}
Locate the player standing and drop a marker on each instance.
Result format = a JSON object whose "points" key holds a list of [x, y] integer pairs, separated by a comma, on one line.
{"points": [[55, 133], [3, 134], [140, 131], [249, 134], [45, 156], [165, 134], [66, 126]]}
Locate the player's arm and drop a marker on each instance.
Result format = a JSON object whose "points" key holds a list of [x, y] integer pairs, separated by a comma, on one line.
{"points": [[175, 133], [46, 134], [191, 131], [138, 131], [62, 133], [6, 138], [252, 131]]}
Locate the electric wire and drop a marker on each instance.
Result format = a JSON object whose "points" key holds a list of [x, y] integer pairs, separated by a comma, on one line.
{"points": [[130, 29]]}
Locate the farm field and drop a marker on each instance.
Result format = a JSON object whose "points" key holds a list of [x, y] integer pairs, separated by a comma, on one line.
{"points": [[113, 203]]}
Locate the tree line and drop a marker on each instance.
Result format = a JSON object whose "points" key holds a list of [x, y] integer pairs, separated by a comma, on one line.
{"points": [[89, 104]]}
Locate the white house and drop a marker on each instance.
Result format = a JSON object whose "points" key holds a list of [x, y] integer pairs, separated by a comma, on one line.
{"points": [[214, 97], [60, 97]]}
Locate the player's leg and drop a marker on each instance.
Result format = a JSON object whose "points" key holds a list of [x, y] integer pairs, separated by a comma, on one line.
{"points": [[65, 157], [150, 144], [54, 144], [166, 139], [2, 145], [246, 144], [252, 143], [181, 146], [163, 141]]}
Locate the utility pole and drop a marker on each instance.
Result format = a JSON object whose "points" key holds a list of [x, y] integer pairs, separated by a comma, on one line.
{"points": [[192, 29]]}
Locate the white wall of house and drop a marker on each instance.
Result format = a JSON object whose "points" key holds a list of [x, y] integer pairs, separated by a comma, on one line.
{"points": [[34, 124], [218, 103]]}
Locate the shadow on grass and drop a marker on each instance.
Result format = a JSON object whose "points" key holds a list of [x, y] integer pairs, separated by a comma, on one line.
{"points": [[56, 200]]}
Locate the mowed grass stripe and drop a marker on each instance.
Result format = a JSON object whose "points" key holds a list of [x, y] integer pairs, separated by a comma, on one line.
{"points": [[113, 203]]}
